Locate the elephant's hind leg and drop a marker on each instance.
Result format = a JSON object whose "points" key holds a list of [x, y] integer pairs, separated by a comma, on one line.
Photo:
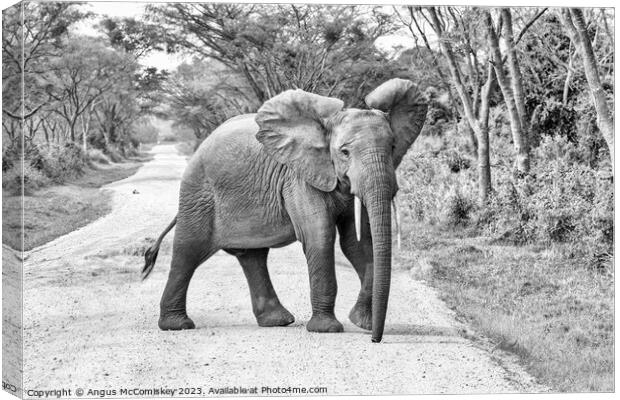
{"points": [[265, 303], [186, 257]]}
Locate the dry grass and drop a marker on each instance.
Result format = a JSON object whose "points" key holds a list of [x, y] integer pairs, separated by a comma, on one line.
{"points": [[57, 210], [539, 302]]}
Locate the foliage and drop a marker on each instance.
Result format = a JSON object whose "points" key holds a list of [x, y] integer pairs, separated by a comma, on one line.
{"points": [[78, 90], [133, 36], [33, 179], [98, 156], [322, 49], [202, 94], [432, 193], [457, 208], [456, 162], [562, 201], [59, 163], [145, 132], [27, 47]]}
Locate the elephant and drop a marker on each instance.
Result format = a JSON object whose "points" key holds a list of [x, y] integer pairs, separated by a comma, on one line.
{"points": [[300, 169]]}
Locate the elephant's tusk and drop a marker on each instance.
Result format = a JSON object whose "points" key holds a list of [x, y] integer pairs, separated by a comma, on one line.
{"points": [[358, 218], [396, 220]]}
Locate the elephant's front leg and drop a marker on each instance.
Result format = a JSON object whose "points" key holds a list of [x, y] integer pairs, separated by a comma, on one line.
{"points": [[315, 229], [323, 288], [359, 254]]}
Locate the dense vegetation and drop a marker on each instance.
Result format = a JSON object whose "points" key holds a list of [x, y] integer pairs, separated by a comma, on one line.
{"points": [[516, 152], [68, 98]]}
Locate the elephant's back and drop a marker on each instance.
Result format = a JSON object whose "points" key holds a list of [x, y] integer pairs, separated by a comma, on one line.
{"points": [[227, 150], [239, 131]]}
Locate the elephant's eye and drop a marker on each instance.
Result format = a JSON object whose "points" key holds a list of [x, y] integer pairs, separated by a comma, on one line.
{"points": [[345, 152]]}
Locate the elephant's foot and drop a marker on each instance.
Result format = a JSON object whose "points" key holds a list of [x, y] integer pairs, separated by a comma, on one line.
{"points": [[175, 322], [324, 323], [361, 315], [276, 317]]}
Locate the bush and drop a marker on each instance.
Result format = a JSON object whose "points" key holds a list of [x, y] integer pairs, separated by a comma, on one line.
{"points": [[33, 179], [97, 155], [60, 163], [456, 162], [556, 119], [432, 193], [561, 201], [113, 154], [145, 133], [457, 208]]}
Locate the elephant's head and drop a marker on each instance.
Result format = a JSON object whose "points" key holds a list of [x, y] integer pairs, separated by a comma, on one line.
{"points": [[351, 150]]}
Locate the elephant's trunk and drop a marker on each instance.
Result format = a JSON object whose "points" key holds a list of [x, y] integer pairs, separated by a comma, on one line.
{"points": [[377, 194]]}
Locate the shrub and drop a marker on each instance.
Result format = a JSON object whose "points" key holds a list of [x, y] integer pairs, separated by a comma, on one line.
{"points": [[556, 119], [33, 179], [113, 154], [60, 162], [456, 162], [457, 208], [431, 193], [97, 155], [145, 133], [563, 200]]}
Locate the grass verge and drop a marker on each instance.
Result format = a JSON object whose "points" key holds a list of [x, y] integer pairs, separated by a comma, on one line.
{"points": [[540, 303], [57, 210]]}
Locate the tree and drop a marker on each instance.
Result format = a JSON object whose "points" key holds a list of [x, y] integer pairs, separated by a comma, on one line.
{"points": [[325, 50], [512, 89], [477, 116], [202, 94], [82, 75], [574, 22], [28, 45], [440, 72], [133, 36]]}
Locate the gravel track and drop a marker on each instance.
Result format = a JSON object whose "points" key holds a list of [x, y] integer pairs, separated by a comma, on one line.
{"points": [[91, 323]]}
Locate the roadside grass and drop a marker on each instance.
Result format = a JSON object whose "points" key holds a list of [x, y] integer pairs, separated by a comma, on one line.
{"points": [[54, 211], [538, 302]]}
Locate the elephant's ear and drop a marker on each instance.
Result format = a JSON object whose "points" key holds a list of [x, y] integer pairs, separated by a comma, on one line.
{"points": [[406, 107], [291, 128]]}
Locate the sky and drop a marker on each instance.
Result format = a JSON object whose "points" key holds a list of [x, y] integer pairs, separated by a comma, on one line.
{"points": [[161, 60]]}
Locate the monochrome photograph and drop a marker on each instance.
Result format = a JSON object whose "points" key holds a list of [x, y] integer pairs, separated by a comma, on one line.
{"points": [[296, 199]]}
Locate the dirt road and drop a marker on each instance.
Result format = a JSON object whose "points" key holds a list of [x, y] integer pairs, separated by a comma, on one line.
{"points": [[91, 323]]}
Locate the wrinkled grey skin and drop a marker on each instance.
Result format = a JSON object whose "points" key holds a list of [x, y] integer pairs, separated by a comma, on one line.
{"points": [[290, 172]]}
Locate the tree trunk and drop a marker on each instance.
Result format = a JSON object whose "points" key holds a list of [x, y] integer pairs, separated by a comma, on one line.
{"points": [[484, 162], [569, 76], [515, 70], [575, 24], [468, 129], [84, 132], [472, 137], [481, 129], [522, 162]]}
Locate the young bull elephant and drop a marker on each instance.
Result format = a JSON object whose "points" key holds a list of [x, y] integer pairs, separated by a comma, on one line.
{"points": [[296, 170]]}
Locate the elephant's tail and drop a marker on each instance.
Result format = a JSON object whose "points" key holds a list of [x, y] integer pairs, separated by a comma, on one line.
{"points": [[150, 256]]}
